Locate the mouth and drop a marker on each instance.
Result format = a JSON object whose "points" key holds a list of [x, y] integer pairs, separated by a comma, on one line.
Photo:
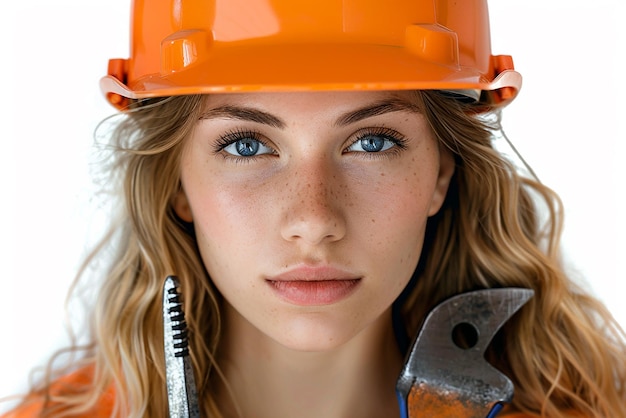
{"points": [[314, 292], [311, 286]]}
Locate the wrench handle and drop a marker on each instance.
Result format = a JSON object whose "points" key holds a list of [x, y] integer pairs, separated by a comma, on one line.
{"points": [[427, 401]]}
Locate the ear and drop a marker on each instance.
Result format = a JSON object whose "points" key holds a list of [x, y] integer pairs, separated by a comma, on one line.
{"points": [[446, 170], [181, 206]]}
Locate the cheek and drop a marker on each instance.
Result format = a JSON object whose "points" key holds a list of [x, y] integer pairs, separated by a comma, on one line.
{"points": [[396, 205], [227, 220], [217, 215], [393, 217]]}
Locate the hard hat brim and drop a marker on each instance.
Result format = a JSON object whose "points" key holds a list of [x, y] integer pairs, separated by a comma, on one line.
{"points": [[276, 68]]}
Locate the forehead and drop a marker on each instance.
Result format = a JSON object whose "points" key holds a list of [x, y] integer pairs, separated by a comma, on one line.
{"points": [[334, 101]]}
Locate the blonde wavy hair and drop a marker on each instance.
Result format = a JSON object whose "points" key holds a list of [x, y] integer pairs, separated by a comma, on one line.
{"points": [[563, 350]]}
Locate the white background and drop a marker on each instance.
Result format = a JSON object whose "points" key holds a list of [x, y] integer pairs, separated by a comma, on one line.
{"points": [[567, 123]]}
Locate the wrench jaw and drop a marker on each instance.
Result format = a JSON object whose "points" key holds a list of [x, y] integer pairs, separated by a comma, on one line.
{"points": [[445, 379]]}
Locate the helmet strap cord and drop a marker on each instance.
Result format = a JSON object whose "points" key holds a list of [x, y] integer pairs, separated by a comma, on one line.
{"points": [[516, 151]]}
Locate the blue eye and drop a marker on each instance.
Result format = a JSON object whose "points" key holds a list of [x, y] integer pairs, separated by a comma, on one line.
{"points": [[377, 141], [245, 147], [371, 143], [243, 144]]}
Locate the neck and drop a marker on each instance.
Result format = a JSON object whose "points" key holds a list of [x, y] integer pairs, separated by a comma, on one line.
{"points": [[266, 379]]}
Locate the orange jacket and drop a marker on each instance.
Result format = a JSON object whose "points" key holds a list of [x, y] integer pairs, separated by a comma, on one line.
{"points": [[33, 406]]}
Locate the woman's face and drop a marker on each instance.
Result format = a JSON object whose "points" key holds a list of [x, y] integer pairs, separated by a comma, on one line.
{"points": [[310, 208]]}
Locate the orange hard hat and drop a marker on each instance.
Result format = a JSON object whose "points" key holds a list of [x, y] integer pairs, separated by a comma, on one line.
{"points": [[216, 46]]}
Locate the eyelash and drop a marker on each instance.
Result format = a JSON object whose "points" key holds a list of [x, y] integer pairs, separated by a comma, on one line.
{"points": [[397, 138], [233, 136]]}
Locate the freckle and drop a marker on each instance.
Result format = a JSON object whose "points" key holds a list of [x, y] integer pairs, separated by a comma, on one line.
{"points": [[382, 174], [373, 220]]}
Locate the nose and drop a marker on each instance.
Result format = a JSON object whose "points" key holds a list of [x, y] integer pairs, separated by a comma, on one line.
{"points": [[314, 213]]}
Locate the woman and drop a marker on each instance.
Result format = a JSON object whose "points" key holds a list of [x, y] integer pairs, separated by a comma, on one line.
{"points": [[314, 175]]}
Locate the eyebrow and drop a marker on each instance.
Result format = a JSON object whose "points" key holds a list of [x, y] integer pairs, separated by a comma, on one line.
{"points": [[243, 113], [251, 114], [375, 109]]}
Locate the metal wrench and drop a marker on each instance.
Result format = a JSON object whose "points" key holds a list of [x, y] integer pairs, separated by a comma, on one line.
{"points": [[445, 377]]}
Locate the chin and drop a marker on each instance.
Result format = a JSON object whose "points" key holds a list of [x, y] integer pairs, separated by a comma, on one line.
{"points": [[314, 334], [311, 346]]}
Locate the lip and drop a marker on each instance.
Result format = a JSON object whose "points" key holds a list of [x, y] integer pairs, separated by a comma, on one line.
{"points": [[310, 286]]}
